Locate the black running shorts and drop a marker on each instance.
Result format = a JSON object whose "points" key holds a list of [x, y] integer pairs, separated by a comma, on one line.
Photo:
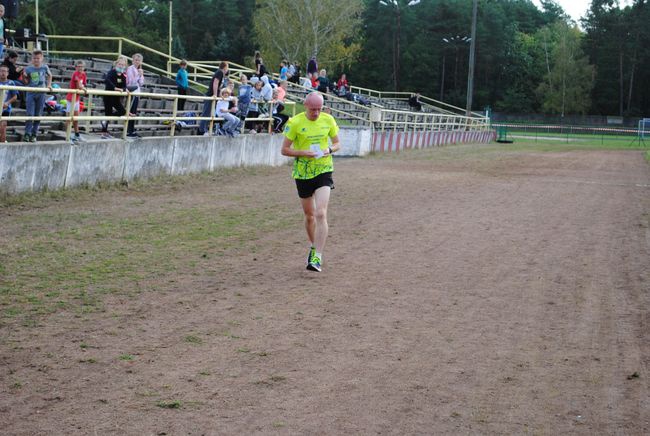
{"points": [[307, 187]]}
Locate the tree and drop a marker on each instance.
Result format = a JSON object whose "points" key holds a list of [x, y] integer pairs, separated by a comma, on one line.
{"points": [[569, 76], [297, 30]]}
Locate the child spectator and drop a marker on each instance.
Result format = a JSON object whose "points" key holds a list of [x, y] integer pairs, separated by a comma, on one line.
{"points": [[245, 90], [79, 80], [283, 70], [295, 76], [227, 111], [10, 97], [36, 75], [182, 83], [115, 81], [134, 80], [342, 87], [414, 102]]}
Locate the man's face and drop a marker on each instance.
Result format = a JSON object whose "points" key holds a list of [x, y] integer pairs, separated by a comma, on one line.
{"points": [[313, 109], [4, 73]]}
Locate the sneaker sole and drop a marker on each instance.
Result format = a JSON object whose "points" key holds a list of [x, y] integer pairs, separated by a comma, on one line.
{"points": [[312, 267]]}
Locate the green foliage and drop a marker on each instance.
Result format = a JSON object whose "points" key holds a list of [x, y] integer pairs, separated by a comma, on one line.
{"points": [[569, 77], [299, 30]]}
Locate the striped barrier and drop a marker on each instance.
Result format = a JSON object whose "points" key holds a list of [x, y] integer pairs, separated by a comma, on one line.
{"points": [[396, 141]]}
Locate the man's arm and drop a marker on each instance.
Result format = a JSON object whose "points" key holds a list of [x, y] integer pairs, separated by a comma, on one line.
{"points": [[288, 150], [336, 145]]}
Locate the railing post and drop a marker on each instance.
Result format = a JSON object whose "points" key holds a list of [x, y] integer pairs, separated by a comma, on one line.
{"points": [[213, 107], [119, 47], [174, 113], [128, 115], [270, 117], [68, 127]]}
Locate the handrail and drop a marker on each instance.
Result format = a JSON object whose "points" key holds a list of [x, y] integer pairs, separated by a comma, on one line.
{"points": [[90, 92]]}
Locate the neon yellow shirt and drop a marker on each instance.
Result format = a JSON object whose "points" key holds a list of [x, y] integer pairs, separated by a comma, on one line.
{"points": [[304, 133]]}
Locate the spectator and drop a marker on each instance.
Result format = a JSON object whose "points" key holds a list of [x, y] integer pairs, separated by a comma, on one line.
{"points": [[214, 89], [10, 63], [279, 119], [36, 75], [227, 112], [295, 76], [115, 81], [134, 81], [282, 90], [283, 70], [267, 89], [10, 97], [256, 107], [291, 71], [342, 86], [312, 68], [3, 31], [313, 80], [323, 82], [244, 100], [79, 80], [260, 69], [414, 102], [182, 83]]}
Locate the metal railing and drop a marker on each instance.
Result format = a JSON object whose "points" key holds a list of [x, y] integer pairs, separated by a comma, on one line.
{"points": [[392, 120], [87, 114]]}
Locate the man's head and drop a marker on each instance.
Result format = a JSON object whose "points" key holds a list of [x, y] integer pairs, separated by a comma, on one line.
{"points": [[4, 73], [313, 105], [223, 66]]}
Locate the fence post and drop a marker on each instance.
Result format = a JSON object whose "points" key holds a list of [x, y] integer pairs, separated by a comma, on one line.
{"points": [[213, 106], [119, 47]]}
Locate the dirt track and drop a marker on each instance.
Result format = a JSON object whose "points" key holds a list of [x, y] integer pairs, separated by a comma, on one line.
{"points": [[477, 293]]}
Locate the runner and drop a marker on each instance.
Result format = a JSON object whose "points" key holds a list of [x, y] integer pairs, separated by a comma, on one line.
{"points": [[306, 139]]}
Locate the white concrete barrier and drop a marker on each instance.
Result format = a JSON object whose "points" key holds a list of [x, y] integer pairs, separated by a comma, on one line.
{"points": [[56, 165]]}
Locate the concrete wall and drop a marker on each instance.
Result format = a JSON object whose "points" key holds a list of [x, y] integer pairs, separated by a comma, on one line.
{"points": [[55, 165]]}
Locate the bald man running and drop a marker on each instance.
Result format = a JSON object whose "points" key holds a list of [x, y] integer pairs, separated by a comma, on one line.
{"points": [[306, 140]]}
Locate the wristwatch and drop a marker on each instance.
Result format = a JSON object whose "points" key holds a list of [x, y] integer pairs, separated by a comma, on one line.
{"points": [[330, 149]]}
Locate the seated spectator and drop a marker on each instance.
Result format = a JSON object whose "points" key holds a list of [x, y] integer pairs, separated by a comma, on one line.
{"points": [[10, 97], [295, 76], [10, 62], [342, 86], [414, 102], [257, 108], [279, 119], [282, 90], [267, 89], [227, 111], [323, 82]]}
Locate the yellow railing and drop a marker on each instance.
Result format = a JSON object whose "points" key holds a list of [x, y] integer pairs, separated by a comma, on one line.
{"points": [[88, 116]]}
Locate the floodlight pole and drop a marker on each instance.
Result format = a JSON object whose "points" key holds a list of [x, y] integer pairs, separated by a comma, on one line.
{"points": [[169, 65], [472, 56], [36, 14]]}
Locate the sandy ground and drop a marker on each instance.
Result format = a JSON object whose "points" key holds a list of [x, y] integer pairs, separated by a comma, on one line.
{"points": [[484, 294]]}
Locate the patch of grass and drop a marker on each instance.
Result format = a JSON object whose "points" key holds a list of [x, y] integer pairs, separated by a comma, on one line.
{"points": [[243, 350], [193, 340], [90, 360], [126, 357], [172, 404]]}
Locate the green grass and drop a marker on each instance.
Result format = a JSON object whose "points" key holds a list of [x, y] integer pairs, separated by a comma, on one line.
{"points": [[70, 259]]}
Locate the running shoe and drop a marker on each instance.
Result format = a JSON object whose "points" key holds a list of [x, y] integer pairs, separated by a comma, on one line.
{"points": [[312, 252], [314, 264]]}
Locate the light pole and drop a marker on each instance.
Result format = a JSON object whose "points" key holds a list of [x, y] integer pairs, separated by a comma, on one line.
{"points": [[170, 36], [397, 5], [472, 60], [454, 41]]}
